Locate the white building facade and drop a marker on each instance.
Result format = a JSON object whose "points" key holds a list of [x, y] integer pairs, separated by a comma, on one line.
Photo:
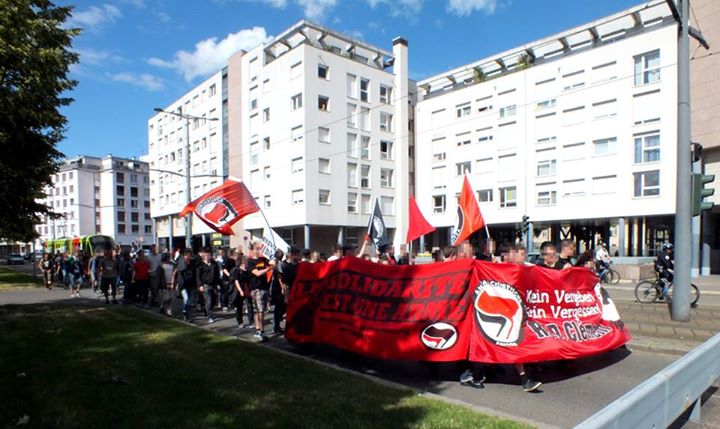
{"points": [[577, 131], [324, 123], [108, 196], [169, 153]]}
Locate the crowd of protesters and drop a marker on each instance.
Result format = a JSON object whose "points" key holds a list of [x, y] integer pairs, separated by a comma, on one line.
{"points": [[249, 285]]}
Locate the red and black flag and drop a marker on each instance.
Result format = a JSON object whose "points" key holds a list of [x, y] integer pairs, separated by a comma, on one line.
{"points": [[469, 219], [221, 207], [376, 228]]}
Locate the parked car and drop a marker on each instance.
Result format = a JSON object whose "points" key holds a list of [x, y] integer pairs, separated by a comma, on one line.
{"points": [[15, 258]]}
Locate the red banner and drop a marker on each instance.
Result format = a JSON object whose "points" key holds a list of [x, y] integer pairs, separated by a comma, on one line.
{"points": [[484, 312]]}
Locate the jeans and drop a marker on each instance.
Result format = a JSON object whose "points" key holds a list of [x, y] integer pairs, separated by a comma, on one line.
{"points": [[208, 294], [143, 288], [187, 295]]}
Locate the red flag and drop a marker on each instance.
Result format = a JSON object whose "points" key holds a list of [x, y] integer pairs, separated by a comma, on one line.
{"points": [[469, 219], [418, 226], [221, 207]]}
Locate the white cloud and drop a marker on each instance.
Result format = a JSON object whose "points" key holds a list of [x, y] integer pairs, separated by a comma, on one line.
{"points": [[94, 56], [143, 80], [316, 9], [210, 55], [276, 3], [466, 7], [94, 17], [402, 8]]}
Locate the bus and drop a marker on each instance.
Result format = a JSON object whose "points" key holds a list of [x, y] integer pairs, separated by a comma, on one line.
{"points": [[85, 243]]}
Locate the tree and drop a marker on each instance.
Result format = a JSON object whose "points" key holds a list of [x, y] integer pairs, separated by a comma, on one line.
{"points": [[35, 56]]}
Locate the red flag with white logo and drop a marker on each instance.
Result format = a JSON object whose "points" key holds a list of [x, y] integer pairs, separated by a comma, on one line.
{"points": [[221, 207], [469, 219]]}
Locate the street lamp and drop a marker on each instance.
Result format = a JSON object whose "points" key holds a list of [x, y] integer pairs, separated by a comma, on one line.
{"points": [[188, 235]]}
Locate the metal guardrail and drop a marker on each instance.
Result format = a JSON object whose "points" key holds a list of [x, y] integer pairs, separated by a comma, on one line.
{"points": [[661, 399]]}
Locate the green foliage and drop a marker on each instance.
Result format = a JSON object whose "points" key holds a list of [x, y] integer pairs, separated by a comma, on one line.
{"points": [[35, 56], [523, 62], [478, 74]]}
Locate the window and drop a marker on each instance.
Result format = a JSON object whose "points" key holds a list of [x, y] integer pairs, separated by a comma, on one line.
{"points": [[572, 116], [121, 216], [148, 229], [296, 101], [605, 146], [365, 203], [324, 165], [605, 109], [352, 174], [297, 165], [364, 90], [266, 172], [485, 195], [463, 139], [463, 109], [386, 122], [462, 168], [439, 179], [573, 151], [134, 217], [120, 202], [133, 191], [387, 205], [438, 204], [266, 144], [324, 196], [604, 72], [507, 111], [296, 70], [352, 202], [120, 190], [121, 229], [365, 176], [386, 149], [604, 184], [485, 135], [323, 71], [253, 127], [647, 68], [324, 135], [647, 107], [254, 153], [298, 196], [647, 183], [267, 202], [352, 86], [440, 156], [351, 115], [364, 147], [546, 168], [352, 145], [573, 188], [323, 103], [386, 178], [508, 197], [546, 104], [507, 167], [386, 94], [266, 114], [484, 165], [365, 119], [134, 204], [296, 134], [647, 148], [546, 195], [573, 80], [213, 90], [266, 86]]}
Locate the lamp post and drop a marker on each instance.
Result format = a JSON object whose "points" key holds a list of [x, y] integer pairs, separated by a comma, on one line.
{"points": [[188, 235]]}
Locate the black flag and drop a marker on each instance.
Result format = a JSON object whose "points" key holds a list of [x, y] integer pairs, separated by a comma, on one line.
{"points": [[376, 228]]}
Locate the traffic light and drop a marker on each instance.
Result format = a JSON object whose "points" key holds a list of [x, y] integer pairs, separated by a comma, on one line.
{"points": [[525, 224], [699, 193]]}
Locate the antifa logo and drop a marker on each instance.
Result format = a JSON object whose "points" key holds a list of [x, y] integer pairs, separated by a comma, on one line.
{"points": [[217, 210], [379, 228], [609, 311], [499, 313], [439, 336], [459, 223]]}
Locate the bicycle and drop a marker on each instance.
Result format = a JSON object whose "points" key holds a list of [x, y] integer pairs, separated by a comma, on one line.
{"points": [[649, 291], [608, 275]]}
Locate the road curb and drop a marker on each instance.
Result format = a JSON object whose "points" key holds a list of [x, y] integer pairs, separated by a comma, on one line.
{"points": [[659, 346]]}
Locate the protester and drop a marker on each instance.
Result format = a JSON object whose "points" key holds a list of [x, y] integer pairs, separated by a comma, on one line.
{"points": [[259, 267], [141, 279], [47, 265], [186, 281], [306, 255], [227, 264], [125, 265], [549, 256], [154, 274], [602, 257], [74, 272], [277, 296], [337, 253], [208, 275], [94, 269], [109, 276], [166, 286], [665, 267], [241, 283], [567, 251]]}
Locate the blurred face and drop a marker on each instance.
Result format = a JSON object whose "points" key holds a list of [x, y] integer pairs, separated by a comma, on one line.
{"points": [[186, 257], [549, 256], [205, 256], [568, 249]]}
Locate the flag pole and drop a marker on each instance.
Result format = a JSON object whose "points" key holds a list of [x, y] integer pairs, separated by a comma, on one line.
{"points": [[270, 230]]}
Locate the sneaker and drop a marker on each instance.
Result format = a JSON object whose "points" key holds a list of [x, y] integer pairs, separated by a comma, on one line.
{"points": [[466, 377], [248, 325], [531, 385], [211, 320], [225, 309], [259, 335]]}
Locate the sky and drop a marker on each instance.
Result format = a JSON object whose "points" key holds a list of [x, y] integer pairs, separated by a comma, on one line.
{"points": [[139, 54]]}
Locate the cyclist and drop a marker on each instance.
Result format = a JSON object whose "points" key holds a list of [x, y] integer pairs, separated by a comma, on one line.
{"points": [[602, 257], [664, 266]]}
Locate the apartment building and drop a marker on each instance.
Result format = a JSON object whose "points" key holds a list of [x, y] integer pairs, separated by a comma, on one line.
{"points": [[108, 196], [325, 129], [199, 139], [577, 131]]}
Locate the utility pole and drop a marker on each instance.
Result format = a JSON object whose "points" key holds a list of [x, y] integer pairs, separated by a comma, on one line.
{"points": [[680, 306]]}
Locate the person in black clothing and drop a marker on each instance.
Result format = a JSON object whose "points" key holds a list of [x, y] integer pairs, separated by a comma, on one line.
{"points": [[289, 272], [208, 280], [227, 264], [277, 292], [549, 256], [186, 281], [241, 294], [567, 251], [664, 266], [259, 267]]}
